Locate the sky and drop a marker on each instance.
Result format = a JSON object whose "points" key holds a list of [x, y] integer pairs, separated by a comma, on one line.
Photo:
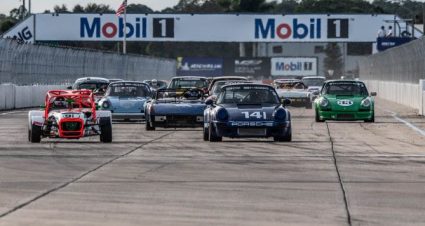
{"points": [[38, 6]]}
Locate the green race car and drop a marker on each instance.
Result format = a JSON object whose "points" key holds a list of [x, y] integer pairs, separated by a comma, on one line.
{"points": [[344, 100]]}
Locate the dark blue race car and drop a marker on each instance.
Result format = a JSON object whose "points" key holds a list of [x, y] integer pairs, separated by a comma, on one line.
{"points": [[174, 108], [247, 110]]}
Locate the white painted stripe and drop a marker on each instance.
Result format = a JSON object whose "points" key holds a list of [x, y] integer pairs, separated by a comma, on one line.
{"points": [[420, 131], [12, 112]]}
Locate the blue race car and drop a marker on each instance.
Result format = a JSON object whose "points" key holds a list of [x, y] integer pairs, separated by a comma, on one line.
{"points": [[174, 108], [126, 100], [247, 110]]}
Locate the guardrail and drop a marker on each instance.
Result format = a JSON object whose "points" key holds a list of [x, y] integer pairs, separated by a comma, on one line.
{"points": [[14, 97]]}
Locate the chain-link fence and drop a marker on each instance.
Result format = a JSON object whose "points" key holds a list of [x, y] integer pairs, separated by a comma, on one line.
{"points": [[24, 64], [405, 64]]}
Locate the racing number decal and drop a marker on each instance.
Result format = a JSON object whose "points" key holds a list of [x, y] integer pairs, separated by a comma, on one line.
{"points": [[256, 114]]}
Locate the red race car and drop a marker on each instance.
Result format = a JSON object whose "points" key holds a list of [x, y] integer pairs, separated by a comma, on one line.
{"points": [[69, 114]]}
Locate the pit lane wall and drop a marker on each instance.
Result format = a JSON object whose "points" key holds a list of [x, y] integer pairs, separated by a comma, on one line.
{"points": [[27, 64], [15, 97], [398, 74]]}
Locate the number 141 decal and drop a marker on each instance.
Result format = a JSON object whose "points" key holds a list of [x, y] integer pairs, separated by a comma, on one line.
{"points": [[257, 114]]}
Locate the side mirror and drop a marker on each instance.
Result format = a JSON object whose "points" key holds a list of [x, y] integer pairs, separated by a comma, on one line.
{"points": [[373, 94], [43, 106], [316, 93], [69, 87], [209, 102], [97, 106], [286, 102]]}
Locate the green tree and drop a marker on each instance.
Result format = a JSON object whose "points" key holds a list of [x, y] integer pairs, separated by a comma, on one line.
{"points": [[333, 60], [139, 8], [7, 24], [60, 9], [78, 9]]}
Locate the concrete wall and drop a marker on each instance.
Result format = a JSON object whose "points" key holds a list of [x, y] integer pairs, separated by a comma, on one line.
{"points": [[12, 96], [407, 94]]}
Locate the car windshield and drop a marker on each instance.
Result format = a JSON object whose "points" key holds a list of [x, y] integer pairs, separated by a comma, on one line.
{"points": [[188, 83], [92, 85], [128, 90], [345, 88], [217, 86], [248, 95], [313, 81]]}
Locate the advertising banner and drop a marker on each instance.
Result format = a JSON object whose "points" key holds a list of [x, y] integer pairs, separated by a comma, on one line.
{"points": [[255, 67], [294, 66], [199, 66], [23, 31], [212, 27]]}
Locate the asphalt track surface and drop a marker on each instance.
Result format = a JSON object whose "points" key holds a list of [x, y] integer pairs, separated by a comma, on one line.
{"points": [[334, 173]]}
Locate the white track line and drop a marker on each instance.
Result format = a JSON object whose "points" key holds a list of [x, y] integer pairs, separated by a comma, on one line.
{"points": [[14, 112], [420, 131]]}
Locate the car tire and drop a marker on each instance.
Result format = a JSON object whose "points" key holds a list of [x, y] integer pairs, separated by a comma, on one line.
{"points": [[105, 130], [34, 134], [213, 137], [206, 134], [318, 117], [372, 119], [148, 126], [285, 138]]}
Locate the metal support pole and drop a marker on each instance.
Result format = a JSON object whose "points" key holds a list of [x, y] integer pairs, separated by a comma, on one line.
{"points": [[124, 47]]}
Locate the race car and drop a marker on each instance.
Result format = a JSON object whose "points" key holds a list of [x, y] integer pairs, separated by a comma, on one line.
{"points": [[126, 100], [188, 82], [247, 110], [173, 108], [96, 84], [345, 100], [69, 114], [220, 81], [295, 90], [313, 83], [156, 84]]}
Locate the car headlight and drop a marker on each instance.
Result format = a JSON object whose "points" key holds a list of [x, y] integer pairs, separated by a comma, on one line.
{"points": [[324, 102], [280, 114], [366, 103], [222, 114], [106, 105]]}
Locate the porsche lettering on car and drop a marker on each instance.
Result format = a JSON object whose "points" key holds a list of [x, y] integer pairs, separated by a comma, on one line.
{"points": [[345, 100], [247, 110]]}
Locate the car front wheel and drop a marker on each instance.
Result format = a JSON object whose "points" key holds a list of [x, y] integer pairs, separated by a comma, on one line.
{"points": [[213, 137]]}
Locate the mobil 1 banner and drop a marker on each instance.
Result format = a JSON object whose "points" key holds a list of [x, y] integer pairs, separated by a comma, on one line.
{"points": [[199, 66], [211, 27], [255, 67], [294, 66]]}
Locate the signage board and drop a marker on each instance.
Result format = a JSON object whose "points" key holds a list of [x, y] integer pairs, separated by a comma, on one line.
{"points": [[211, 27], [199, 66], [294, 66]]}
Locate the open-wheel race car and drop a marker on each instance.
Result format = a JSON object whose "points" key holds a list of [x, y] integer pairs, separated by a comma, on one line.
{"points": [[69, 114]]}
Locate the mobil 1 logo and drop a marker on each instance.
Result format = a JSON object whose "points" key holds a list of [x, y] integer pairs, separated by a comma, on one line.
{"points": [[338, 28], [163, 27]]}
